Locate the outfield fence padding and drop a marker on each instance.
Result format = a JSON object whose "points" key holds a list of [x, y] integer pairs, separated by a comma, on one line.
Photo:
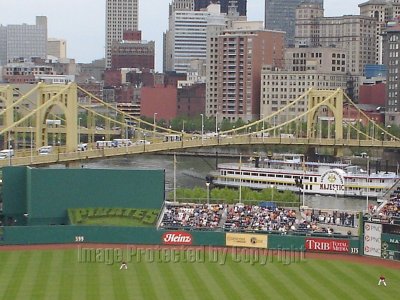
{"points": [[57, 234]]}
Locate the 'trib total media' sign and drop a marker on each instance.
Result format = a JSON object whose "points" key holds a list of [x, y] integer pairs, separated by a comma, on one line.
{"points": [[327, 245]]}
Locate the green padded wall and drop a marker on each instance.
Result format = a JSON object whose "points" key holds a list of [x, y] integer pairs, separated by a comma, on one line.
{"points": [[53, 191], [46, 194], [14, 193], [42, 234]]}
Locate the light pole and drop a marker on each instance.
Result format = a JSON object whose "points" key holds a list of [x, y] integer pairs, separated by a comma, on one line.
{"points": [[202, 127], [249, 130], [240, 178], [183, 126], [216, 122], [320, 129], [10, 152], [388, 129], [367, 184], [373, 129], [154, 122], [263, 127], [30, 128], [79, 130], [174, 177], [272, 193], [208, 193]]}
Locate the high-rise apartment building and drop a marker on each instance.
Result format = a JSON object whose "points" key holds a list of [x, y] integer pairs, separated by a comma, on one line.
{"points": [[186, 39], [383, 11], [391, 58], [356, 34], [242, 51], [23, 41], [215, 28], [216, 25], [57, 48], [305, 68], [281, 15], [121, 15], [241, 5], [307, 24]]}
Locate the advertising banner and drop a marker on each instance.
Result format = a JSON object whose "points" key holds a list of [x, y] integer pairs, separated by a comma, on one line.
{"points": [[247, 240], [372, 239], [177, 238], [327, 245]]}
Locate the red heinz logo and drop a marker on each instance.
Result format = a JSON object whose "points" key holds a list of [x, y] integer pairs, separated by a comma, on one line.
{"points": [[177, 238]]}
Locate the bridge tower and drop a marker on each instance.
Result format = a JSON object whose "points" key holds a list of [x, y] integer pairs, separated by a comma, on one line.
{"points": [[63, 99], [6, 96], [333, 101]]}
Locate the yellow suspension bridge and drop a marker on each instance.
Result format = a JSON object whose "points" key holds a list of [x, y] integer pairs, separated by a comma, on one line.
{"points": [[49, 114]]}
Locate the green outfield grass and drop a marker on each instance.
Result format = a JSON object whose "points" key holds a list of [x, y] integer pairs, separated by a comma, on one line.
{"points": [[66, 274]]}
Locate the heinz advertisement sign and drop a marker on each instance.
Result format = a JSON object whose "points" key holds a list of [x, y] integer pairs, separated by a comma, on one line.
{"points": [[327, 245], [177, 238]]}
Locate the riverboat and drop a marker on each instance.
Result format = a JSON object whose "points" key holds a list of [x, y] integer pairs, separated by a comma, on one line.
{"points": [[291, 172]]}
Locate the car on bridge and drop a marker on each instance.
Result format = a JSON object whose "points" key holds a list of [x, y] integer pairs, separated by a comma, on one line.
{"points": [[142, 142], [45, 150], [82, 147], [6, 153]]}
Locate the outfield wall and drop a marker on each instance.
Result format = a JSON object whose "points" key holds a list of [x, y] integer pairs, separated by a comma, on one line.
{"points": [[26, 235], [42, 196]]}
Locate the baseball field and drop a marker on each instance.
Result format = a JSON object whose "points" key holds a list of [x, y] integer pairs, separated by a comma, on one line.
{"points": [[93, 272]]}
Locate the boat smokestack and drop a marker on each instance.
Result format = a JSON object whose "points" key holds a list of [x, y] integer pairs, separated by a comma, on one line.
{"points": [[387, 167]]}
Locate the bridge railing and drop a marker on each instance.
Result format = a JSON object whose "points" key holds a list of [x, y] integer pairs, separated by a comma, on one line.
{"points": [[26, 157]]}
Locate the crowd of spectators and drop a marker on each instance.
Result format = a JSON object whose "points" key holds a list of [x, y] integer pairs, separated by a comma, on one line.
{"points": [[251, 217], [339, 218], [196, 216], [242, 218], [390, 211]]}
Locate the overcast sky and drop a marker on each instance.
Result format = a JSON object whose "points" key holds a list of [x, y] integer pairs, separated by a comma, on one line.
{"points": [[82, 22]]}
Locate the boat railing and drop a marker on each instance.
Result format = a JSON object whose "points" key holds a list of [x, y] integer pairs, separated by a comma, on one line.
{"points": [[381, 206], [389, 191]]}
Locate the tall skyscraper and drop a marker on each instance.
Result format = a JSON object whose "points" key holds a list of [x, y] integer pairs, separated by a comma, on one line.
{"points": [[186, 39], [383, 11], [121, 15], [391, 54], [23, 41], [281, 15], [225, 4]]}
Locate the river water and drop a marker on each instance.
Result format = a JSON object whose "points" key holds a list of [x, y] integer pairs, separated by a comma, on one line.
{"points": [[192, 170]]}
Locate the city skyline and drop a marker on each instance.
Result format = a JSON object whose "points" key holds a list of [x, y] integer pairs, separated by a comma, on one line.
{"points": [[85, 36]]}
